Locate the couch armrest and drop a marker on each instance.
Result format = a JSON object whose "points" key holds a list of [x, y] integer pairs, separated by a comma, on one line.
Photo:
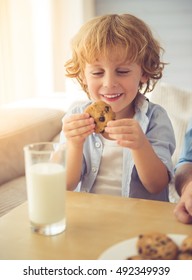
{"points": [[19, 127]]}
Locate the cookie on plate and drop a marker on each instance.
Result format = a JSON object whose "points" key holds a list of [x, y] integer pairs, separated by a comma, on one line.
{"points": [[157, 246], [185, 252], [186, 245], [184, 256], [102, 113], [135, 257]]}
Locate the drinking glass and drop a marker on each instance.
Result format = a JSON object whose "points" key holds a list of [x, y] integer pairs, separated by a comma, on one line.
{"points": [[45, 169]]}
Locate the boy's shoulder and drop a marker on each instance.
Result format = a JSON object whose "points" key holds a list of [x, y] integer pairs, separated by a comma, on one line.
{"points": [[156, 107], [157, 114], [143, 104]]}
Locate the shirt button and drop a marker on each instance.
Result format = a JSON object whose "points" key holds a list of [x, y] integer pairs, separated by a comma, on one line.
{"points": [[94, 169], [97, 145]]}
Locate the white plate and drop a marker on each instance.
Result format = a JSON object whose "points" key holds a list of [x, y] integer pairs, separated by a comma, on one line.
{"points": [[127, 248]]}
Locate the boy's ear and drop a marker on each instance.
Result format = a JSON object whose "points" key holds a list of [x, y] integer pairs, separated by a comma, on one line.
{"points": [[144, 78]]}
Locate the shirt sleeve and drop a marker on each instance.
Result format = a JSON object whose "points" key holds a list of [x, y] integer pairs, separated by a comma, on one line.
{"points": [[76, 109], [186, 153], [161, 135]]}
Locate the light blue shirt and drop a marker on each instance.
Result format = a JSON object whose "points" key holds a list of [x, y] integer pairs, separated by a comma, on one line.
{"points": [[156, 124], [186, 153]]}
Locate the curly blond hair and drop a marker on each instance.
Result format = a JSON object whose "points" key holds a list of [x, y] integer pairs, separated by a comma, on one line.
{"points": [[100, 34]]}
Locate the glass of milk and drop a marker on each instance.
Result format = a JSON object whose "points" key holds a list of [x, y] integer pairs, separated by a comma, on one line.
{"points": [[45, 169]]}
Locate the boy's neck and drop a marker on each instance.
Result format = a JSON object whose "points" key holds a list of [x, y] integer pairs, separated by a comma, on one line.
{"points": [[127, 112]]}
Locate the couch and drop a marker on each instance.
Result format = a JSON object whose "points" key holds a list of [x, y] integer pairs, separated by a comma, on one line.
{"points": [[178, 104], [21, 126]]}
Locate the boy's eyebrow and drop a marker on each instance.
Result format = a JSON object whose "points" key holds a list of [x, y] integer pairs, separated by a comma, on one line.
{"points": [[89, 65], [121, 64]]}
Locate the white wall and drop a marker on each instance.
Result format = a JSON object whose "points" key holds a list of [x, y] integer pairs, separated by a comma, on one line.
{"points": [[34, 45], [171, 22]]}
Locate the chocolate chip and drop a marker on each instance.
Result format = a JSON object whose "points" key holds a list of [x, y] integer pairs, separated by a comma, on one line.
{"points": [[102, 119], [106, 109]]}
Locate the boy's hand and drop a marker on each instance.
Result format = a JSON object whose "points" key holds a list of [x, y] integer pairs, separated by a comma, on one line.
{"points": [[183, 209], [127, 132], [77, 127]]}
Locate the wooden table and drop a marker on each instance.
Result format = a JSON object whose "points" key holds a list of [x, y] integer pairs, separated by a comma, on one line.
{"points": [[94, 223]]}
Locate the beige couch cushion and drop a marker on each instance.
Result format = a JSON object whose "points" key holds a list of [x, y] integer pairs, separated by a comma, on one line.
{"points": [[178, 104], [12, 194], [18, 127]]}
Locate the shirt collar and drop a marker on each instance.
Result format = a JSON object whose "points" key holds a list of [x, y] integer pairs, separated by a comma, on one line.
{"points": [[141, 103], [141, 108]]}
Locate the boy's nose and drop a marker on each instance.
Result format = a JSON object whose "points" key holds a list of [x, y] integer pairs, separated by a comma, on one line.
{"points": [[109, 82]]}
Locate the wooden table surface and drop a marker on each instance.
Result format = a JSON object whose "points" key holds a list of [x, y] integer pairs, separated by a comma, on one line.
{"points": [[94, 223]]}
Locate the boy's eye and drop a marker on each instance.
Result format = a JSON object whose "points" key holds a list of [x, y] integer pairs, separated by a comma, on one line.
{"points": [[123, 71], [97, 73]]}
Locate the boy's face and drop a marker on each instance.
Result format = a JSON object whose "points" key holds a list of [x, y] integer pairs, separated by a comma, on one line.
{"points": [[115, 81]]}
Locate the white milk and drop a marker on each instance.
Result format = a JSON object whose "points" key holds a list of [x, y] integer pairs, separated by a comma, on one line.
{"points": [[46, 192]]}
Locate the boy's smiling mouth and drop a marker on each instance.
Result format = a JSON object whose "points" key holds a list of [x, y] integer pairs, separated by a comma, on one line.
{"points": [[112, 97]]}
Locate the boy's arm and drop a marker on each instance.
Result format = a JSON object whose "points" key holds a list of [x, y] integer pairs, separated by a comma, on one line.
{"points": [[151, 170], [76, 129], [74, 161]]}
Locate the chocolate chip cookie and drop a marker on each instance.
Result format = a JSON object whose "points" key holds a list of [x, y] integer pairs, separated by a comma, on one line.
{"points": [[135, 257], [185, 252], [102, 113], [157, 246]]}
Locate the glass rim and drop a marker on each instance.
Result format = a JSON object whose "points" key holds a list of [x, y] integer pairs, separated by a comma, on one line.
{"points": [[31, 148]]}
